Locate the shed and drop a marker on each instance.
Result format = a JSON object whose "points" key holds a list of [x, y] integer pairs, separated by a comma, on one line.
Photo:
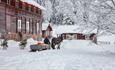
{"points": [[47, 30]]}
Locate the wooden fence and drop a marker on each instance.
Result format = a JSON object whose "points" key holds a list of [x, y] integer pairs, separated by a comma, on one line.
{"points": [[105, 42]]}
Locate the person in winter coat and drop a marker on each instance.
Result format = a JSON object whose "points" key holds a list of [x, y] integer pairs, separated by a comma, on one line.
{"points": [[46, 40]]}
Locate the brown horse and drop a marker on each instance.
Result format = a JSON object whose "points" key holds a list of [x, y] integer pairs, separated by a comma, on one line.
{"points": [[56, 41]]}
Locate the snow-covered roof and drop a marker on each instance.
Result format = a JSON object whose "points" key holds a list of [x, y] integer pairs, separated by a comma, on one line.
{"points": [[45, 25], [34, 3], [72, 29]]}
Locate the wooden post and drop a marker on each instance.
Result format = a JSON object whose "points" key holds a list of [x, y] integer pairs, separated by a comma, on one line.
{"points": [[5, 19]]}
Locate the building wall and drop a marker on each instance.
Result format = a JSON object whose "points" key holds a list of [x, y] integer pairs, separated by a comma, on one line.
{"points": [[10, 19], [14, 20], [72, 36], [2, 18]]}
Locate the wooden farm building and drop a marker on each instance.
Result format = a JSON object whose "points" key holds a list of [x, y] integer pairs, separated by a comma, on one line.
{"points": [[47, 30], [72, 32], [19, 17], [73, 36]]}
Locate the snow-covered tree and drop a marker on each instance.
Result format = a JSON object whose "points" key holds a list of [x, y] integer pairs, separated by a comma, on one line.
{"points": [[102, 15], [94, 14], [23, 44], [5, 44]]}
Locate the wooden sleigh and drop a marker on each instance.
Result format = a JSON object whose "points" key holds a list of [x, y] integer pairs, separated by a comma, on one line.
{"points": [[39, 47]]}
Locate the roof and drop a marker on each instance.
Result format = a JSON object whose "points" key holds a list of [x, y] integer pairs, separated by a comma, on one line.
{"points": [[72, 29], [46, 25], [50, 28], [34, 3]]}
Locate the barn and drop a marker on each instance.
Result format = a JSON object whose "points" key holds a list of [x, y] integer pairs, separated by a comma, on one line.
{"points": [[70, 36], [74, 32], [20, 17]]}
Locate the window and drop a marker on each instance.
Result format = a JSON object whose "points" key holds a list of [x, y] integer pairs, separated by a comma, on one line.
{"points": [[5, 1], [37, 28], [27, 26], [12, 2], [37, 10], [40, 12], [32, 8], [27, 6], [8, 1], [20, 4], [30, 25], [19, 25], [17, 3], [29, 9]]}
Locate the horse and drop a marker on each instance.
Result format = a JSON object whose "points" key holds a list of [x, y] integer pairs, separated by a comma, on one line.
{"points": [[56, 41]]}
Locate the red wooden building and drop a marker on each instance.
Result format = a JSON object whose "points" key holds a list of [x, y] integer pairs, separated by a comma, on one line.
{"points": [[71, 36], [47, 30], [18, 16]]}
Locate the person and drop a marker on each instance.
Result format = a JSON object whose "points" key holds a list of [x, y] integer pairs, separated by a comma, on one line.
{"points": [[46, 40]]}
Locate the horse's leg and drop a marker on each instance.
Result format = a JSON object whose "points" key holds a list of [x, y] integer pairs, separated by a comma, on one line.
{"points": [[58, 46], [53, 46]]}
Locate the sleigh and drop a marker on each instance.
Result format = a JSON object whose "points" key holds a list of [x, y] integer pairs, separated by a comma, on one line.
{"points": [[39, 47]]}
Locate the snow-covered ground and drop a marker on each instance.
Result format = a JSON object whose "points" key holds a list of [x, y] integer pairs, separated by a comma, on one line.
{"points": [[73, 55]]}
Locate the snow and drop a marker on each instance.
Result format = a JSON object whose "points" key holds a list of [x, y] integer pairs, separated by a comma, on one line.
{"points": [[66, 29], [45, 25], [107, 39], [34, 3], [87, 45], [73, 55], [110, 38], [73, 29]]}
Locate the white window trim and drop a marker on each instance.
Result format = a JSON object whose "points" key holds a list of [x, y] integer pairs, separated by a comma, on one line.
{"points": [[27, 26], [38, 28], [19, 24]]}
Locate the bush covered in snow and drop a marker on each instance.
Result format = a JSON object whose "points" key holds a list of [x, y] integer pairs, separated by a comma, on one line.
{"points": [[23, 44]]}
